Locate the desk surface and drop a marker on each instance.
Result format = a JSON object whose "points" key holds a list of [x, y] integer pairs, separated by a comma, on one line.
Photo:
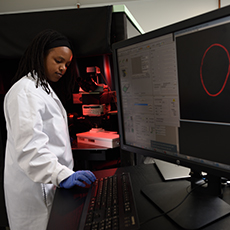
{"points": [[68, 204]]}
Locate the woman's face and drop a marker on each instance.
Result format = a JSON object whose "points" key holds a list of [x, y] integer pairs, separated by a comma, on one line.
{"points": [[56, 62]]}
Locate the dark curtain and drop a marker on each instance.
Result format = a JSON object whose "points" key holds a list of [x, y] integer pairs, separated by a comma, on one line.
{"points": [[89, 29]]}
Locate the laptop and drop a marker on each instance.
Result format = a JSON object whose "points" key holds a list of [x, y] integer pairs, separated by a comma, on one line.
{"points": [[171, 171]]}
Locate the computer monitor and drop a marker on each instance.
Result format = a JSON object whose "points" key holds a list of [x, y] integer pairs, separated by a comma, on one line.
{"points": [[173, 96]]}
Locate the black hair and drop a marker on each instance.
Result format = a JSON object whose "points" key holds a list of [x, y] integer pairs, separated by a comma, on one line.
{"points": [[32, 60]]}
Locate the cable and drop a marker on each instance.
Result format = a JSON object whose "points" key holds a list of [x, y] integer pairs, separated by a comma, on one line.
{"points": [[106, 82], [165, 213], [113, 96]]}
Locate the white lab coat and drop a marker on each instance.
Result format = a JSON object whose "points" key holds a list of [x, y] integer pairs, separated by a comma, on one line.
{"points": [[38, 153]]}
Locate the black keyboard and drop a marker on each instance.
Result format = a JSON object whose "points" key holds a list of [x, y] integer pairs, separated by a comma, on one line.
{"points": [[110, 205]]}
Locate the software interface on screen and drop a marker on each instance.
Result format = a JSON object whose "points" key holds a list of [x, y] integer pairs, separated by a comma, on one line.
{"points": [[172, 80]]}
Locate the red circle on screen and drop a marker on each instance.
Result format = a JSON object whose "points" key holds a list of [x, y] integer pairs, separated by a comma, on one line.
{"points": [[226, 78]]}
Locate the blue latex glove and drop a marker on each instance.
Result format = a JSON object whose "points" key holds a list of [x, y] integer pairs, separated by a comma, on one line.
{"points": [[78, 178]]}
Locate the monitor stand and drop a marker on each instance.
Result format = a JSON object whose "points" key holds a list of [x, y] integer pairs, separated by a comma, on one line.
{"points": [[198, 209]]}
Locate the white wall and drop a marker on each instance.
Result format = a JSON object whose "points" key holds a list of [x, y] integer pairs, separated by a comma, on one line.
{"points": [[158, 13], [225, 3], [150, 14]]}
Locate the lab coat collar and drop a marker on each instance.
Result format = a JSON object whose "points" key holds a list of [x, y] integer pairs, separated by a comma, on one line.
{"points": [[52, 93]]}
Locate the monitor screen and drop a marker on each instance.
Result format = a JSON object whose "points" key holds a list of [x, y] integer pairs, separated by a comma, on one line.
{"points": [[173, 91]]}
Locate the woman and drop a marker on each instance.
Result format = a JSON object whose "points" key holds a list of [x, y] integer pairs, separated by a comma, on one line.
{"points": [[38, 152]]}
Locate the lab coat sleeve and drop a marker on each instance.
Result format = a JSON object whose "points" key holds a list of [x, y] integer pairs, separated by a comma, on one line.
{"points": [[25, 116]]}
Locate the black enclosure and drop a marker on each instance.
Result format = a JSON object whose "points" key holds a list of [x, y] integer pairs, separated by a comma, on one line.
{"points": [[92, 32]]}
